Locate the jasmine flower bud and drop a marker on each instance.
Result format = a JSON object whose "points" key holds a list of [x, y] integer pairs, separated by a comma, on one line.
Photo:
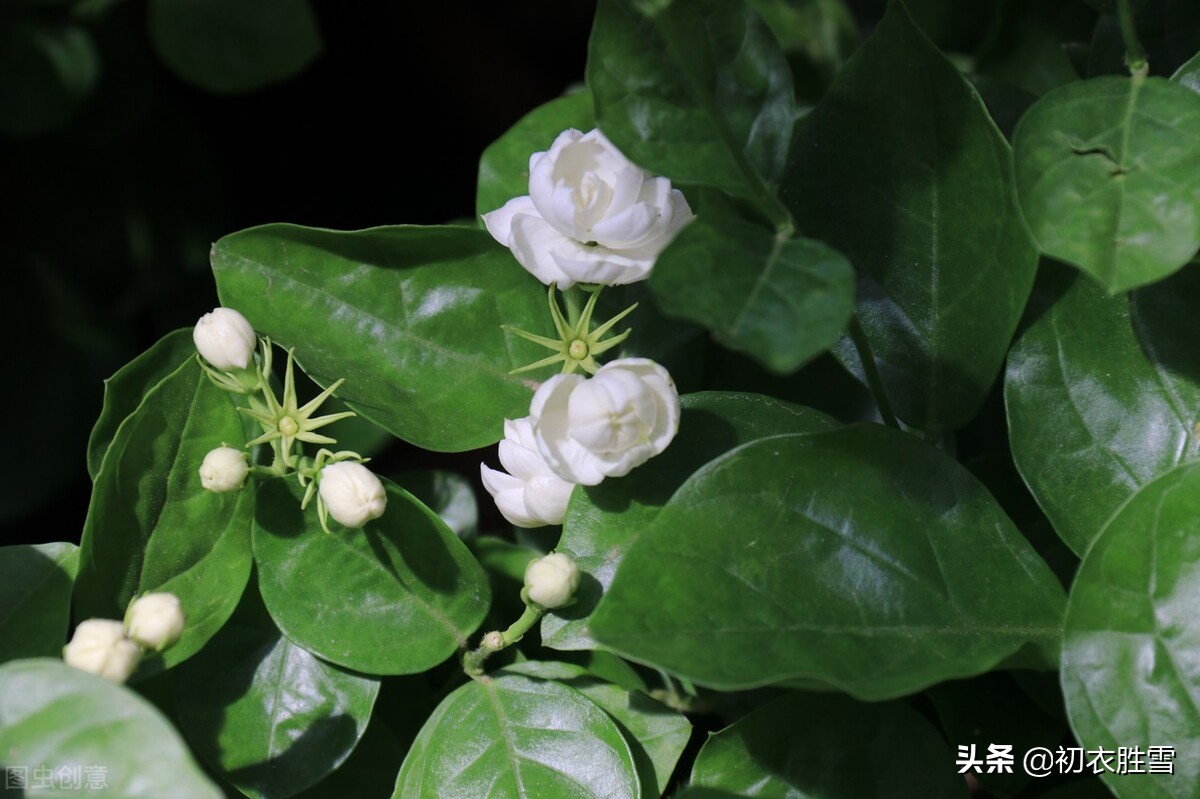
{"points": [[224, 469], [99, 646], [551, 581], [155, 621], [352, 494], [225, 339]]}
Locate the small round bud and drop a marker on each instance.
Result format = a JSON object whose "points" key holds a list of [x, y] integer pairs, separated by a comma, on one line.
{"points": [[155, 621], [99, 646], [493, 641], [224, 469], [352, 494], [225, 339], [551, 581]]}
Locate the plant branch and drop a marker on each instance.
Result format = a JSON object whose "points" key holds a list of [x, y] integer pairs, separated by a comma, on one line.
{"points": [[871, 371]]}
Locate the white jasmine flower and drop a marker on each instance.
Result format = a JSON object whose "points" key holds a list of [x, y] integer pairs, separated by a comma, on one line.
{"points": [[155, 621], [551, 581], [530, 495], [225, 339], [589, 429], [352, 493], [591, 216], [99, 646]]}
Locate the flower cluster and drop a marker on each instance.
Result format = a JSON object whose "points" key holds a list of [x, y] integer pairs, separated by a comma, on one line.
{"points": [[345, 489], [591, 217], [112, 649]]}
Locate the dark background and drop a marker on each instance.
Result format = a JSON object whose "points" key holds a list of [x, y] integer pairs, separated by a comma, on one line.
{"points": [[107, 220]]}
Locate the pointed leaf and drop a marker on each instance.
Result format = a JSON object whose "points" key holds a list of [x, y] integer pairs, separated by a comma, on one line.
{"points": [[901, 168], [123, 391], [151, 526], [861, 558], [410, 316]]}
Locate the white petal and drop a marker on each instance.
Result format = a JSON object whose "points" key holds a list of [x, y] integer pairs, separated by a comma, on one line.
{"points": [[499, 222], [546, 498], [509, 495], [628, 228], [524, 464], [601, 265], [533, 242], [548, 413]]}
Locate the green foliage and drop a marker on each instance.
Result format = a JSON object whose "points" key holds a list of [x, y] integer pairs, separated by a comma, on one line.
{"points": [[1109, 177], [152, 527], [424, 590], [35, 598], [56, 717], [814, 746], [900, 575], [227, 46], [432, 367], [843, 596], [490, 738]]}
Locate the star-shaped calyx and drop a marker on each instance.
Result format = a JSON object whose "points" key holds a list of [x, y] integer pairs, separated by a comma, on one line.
{"points": [[576, 346], [286, 422]]}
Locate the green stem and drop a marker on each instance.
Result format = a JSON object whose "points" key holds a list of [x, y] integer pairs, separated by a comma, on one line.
{"points": [[871, 371], [1135, 55], [495, 641]]}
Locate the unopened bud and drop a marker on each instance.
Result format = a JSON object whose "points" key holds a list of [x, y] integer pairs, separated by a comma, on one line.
{"points": [[99, 646], [155, 621], [352, 494], [224, 469], [225, 339], [551, 581]]}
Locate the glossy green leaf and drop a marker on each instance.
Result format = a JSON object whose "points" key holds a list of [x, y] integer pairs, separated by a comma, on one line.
{"points": [[410, 316], [656, 734], [820, 746], [901, 168], [504, 165], [782, 301], [698, 91], [1108, 175], [513, 736], [151, 526], [47, 71], [861, 558], [229, 46], [1103, 395], [992, 709], [123, 392], [447, 494], [73, 723], [1131, 641], [815, 35], [270, 716], [395, 597], [604, 521], [35, 598], [1188, 75]]}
